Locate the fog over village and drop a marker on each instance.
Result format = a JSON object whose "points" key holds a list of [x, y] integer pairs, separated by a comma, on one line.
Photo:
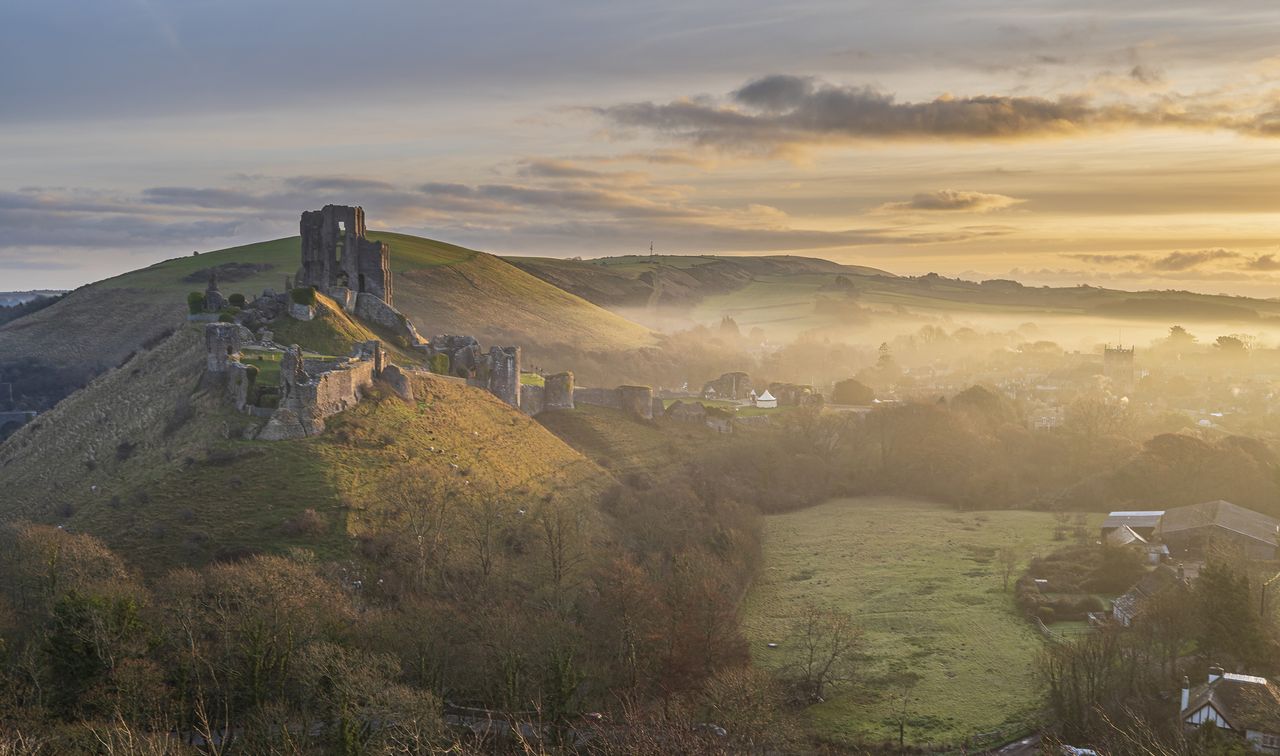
{"points": [[671, 378]]}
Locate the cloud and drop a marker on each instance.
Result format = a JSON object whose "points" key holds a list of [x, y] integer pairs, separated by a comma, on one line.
{"points": [[1263, 263], [1187, 260], [780, 111], [951, 200], [1107, 259], [1181, 262]]}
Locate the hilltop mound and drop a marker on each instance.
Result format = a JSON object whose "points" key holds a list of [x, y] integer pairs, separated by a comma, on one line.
{"points": [[150, 457], [443, 288], [673, 280]]}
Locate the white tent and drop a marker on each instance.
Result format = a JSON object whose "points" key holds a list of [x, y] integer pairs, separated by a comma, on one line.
{"points": [[766, 400]]}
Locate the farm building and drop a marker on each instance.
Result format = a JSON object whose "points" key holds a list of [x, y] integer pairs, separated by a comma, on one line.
{"points": [[1142, 523], [1126, 608], [1245, 705], [1192, 528]]}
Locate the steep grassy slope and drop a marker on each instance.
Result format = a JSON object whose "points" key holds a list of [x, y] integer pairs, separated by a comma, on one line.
{"points": [[444, 288], [448, 289], [152, 459], [628, 446]]}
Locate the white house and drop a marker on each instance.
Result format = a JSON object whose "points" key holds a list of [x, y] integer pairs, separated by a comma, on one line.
{"points": [[766, 401], [1245, 705]]}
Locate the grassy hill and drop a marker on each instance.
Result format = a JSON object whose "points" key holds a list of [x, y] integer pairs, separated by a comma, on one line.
{"points": [[788, 295], [153, 459], [444, 288]]}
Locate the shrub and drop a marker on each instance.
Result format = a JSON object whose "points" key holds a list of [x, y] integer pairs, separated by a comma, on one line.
{"points": [[124, 450], [226, 318], [1046, 614], [305, 295], [236, 300], [308, 523], [852, 391], [195, 303], [439, 364]]}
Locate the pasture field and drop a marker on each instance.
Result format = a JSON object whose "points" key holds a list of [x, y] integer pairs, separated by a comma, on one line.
{"points": [[923, 582]]}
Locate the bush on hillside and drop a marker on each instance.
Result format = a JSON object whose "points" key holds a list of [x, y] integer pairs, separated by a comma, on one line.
{"points": [[852, 391], [195, 303], [439, 364], [226, 317], [236, 300], [305, 295]]}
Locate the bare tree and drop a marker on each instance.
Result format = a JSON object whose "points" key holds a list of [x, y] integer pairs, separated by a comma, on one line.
{"points": [[827, 642], [1009, 558]]}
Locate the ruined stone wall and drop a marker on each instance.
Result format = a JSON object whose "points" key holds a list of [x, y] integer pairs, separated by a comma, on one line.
{"points": [[532, 399], [599, 397], [222, 344], [558, 392], [637, 401], [504, 374]]}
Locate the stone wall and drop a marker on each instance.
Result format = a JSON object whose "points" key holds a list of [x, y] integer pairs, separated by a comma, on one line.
{"points": [[599, 397], [558, 393], [532, 399], [222, 344], [637, 401], [504, 374]]}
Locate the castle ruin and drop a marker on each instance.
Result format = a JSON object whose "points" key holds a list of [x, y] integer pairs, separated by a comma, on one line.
{"points": [[336, 254], [341, 263]]}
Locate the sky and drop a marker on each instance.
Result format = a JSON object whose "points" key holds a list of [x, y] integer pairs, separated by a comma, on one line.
{"points": [[1132, 145]]}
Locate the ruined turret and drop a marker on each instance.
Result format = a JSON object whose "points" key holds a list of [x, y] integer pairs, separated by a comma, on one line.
{"points": [[222, 343], [213, 299], [504, 373]]}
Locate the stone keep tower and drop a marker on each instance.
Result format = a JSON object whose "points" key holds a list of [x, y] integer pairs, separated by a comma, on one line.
{"points": [[336, 254]]}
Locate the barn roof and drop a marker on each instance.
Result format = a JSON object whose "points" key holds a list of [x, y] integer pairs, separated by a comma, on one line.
{"points": [[1133, 519], [1123, 536], [1222, 514], [1151, 584], [1247, 703]]}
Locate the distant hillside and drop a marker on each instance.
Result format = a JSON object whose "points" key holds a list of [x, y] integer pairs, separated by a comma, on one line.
{"points": [[11, 298], [789, 295], [150, 458], [445, 289], [673, 280]]}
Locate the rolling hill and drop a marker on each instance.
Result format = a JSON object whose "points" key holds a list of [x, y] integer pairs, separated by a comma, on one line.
{"points": [[444, 288], [790, 295], [152, 458]]}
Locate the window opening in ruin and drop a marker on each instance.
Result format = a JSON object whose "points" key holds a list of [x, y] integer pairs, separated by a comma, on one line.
{"points": [[361, 282], [340, 246], [228, 351]]}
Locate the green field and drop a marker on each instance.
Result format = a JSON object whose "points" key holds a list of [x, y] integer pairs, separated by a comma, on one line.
{"points": [[922, 582]]}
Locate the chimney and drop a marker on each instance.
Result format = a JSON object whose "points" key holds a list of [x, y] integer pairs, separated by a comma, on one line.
{"points": [[1186, 695], [1214, 673]]}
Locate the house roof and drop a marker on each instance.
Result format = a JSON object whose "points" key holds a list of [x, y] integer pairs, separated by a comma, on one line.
{"points": [[1151, 584], [1134, 519], [1222, 514], [1246, 702], [1124, 536]]}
